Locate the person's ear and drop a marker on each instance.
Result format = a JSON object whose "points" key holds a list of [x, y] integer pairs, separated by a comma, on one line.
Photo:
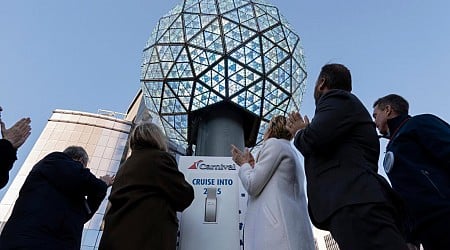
{"points": [[388, 110], [322, 84]]}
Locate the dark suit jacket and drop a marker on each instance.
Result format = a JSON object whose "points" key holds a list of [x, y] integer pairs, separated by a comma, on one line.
{"points": [[52, 209], [421, 170], [341, 150], [145, 196]]}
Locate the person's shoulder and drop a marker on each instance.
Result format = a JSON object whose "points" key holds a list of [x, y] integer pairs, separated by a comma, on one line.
{"points": [[428, 118], [337, 92], [272, 141], [152, 153], [276, 144], [158, 152], [425, 117], [338, 95], [340, 98], [57, 155]]}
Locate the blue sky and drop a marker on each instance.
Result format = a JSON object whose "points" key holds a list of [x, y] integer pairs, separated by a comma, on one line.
{"points": [[86, 55]]}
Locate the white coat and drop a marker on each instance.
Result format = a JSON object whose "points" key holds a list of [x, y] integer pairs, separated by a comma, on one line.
{"points": [[277, 216]]}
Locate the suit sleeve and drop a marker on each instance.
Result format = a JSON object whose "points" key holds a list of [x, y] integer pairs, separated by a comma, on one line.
{"points": [[434, 135], [173, 183], [255, 179], [72, 179], [332, 119], [7, 158], [95, 194]]}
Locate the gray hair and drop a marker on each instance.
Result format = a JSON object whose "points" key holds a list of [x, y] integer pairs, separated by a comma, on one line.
{"points": [[148, 135], [77, 153]]}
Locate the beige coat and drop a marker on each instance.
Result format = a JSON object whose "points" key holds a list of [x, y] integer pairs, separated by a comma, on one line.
{"points": [[277, 216]]}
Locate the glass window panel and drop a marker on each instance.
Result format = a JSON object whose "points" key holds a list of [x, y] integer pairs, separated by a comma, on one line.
{"points": [[98, 241], [90, 237], [95, 222], [69, 127], [114, 165], [103, 141], [84, 138], [49, 146], [122, 142], [104, 163], [56, 134], [208, 7], [99, 150], [194, 8], [94, 162], [225, 6], [75, 137], [109, 152]]}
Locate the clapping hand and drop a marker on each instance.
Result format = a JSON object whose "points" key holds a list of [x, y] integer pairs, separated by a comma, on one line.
{"points": [[242, 157], [296, 122], [18, 133]]}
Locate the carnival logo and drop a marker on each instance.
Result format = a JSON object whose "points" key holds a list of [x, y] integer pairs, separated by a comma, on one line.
{"points": [[203, 166]]}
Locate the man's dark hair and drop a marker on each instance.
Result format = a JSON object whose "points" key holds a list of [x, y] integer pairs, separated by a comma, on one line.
{"points": [[336, 76], [397, 103]]}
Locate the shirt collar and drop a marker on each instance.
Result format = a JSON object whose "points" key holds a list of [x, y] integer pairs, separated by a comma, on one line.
{"points": [[395, 123]]}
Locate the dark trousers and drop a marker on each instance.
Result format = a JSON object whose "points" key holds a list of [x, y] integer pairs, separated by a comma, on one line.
{"points": [[370, 226]]}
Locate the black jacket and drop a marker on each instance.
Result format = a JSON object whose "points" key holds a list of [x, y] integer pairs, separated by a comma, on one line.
{"points": [[7, 158], [57, 198], [341, 151], [421, 166]]}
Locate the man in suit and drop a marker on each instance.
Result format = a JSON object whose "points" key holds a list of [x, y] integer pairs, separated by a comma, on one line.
{"points": [[417, 162], [59, 195], [346, 196]]}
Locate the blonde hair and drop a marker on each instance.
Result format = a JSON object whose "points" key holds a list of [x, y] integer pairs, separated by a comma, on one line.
{"points": [[277, 128], [148, 135]]}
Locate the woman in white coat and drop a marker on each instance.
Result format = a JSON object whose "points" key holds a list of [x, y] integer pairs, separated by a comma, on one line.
{"points": [[277, 215]]}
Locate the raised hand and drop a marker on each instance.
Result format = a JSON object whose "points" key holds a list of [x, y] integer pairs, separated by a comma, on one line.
{"points": [[18, 133], [241, 157], [296, 122]]}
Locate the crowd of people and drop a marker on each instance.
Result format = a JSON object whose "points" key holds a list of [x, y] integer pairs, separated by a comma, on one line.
{"points": [[344, 192]]}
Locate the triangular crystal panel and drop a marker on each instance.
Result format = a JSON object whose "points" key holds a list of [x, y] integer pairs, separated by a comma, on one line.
{"points": [[192, 6], [164, 24], [225, 6], [247, 17], [276, 35], [208, 7], [281, 76], [212, 36], [264, 20]]}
